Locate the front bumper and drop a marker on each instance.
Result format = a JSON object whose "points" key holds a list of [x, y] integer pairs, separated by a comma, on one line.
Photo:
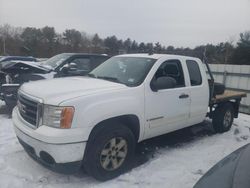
{"points": [[48, 161], [63, 157]]}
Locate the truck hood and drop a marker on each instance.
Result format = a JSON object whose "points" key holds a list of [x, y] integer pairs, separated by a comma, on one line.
{"points": [[58, 90]]}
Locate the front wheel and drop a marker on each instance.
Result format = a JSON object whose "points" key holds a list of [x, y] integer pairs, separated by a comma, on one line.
{"points": [[109, 152], [223, 118]]}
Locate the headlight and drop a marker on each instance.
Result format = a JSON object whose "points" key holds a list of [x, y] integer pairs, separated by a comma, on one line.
{"points": [[57, 116]]}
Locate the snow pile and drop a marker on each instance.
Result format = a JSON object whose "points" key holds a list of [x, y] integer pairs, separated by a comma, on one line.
{"points": [[176, 164]]}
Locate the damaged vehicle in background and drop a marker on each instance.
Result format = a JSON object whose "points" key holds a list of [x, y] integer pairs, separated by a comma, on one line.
{"points": [[16, 58], [14, 73]]}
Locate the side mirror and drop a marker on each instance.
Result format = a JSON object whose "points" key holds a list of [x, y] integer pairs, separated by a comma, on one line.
{"points": [[163, 83], [71, 67]]}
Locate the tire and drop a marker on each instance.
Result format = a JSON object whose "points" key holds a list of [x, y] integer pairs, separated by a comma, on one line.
{"points": [[102, 151], [223, 118], [218, 88]]}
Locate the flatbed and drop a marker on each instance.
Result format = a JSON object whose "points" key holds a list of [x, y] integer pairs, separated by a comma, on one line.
{"points": [[234, 97]]}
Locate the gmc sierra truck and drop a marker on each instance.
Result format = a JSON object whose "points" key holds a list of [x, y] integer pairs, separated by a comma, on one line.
{"points": [[96, 121]]}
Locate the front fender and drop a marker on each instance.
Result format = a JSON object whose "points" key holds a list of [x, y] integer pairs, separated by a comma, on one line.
{"points": [[94, 109]]}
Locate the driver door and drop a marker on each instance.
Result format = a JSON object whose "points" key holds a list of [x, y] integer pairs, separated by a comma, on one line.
{"points": [[168, 109]]}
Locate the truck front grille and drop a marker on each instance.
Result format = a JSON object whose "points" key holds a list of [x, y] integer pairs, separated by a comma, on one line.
{"points": [[28, 109]]}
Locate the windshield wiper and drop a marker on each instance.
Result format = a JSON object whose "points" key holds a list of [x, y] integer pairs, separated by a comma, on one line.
{"points": [[91, 75], [109, 78]]}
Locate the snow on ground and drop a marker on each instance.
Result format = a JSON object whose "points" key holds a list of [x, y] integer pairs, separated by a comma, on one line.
{"points": [[175, 160]]}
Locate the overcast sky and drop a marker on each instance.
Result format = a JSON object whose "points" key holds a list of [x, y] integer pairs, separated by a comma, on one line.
{"points": [[184, 23]]}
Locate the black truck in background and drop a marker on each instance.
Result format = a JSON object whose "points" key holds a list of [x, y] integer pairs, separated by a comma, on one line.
{"points": [[14, 73]]}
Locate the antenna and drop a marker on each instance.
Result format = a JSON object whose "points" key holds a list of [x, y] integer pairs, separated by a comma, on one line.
{"points": [[151, 51]]}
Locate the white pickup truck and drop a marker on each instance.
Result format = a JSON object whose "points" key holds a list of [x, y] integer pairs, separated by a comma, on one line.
{"points": [[96, 121]]}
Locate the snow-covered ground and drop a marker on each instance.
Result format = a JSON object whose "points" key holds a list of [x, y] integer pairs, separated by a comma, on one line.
{"points": [[176, 160]]}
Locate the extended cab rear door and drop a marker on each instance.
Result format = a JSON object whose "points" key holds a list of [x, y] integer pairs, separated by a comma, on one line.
{"points": [[199, 91], [167, 110]]}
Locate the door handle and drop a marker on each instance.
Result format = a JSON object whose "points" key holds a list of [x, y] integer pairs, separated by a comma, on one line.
{"points": [[183, 96]]}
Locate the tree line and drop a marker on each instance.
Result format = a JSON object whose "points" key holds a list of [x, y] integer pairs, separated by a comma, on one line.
{"points": [[46, 42]]}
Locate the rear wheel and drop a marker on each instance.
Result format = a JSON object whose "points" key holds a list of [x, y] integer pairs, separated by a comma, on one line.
{"points": [[109, 152], [223, 118]]}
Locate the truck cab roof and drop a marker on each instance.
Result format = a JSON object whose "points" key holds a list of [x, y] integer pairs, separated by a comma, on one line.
{"points": [[159, 56]]}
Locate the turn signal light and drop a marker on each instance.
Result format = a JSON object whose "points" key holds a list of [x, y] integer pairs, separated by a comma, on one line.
{"points": [[67, 117]]}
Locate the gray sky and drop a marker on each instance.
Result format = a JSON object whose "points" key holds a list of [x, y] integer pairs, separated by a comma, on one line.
{"points": [[184, 23]]}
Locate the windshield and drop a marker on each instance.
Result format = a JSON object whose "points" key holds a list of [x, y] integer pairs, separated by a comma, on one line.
{"points": [[55, 61], [130, 71]]}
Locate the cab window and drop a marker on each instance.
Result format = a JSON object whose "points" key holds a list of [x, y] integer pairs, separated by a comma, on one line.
{"points": [[171, 68], [194, 73]]}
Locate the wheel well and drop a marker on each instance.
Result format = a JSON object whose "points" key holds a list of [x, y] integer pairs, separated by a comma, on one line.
{"points": [[130, 121], [235, 106]]}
